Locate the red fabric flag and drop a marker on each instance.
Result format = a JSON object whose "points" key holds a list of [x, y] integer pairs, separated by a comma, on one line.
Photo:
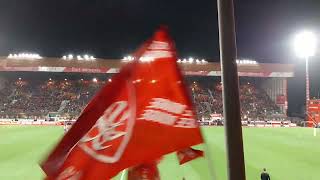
{"points": [[188, 154], [144, 113], [146, 171]]}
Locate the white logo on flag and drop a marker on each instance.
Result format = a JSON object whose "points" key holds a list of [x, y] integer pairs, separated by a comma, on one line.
{"points": [[170, 113], [109, 137]]}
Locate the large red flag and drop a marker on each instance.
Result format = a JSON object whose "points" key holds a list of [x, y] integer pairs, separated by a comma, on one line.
{"points": [[144, 113], [188, 154], [145, 171]]}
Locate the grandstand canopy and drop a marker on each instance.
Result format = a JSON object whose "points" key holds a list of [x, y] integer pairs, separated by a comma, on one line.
{"points": [[113, 65]]}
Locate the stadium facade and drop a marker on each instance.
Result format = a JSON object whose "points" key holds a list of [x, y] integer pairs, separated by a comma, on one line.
{"points": [[272, 77]]}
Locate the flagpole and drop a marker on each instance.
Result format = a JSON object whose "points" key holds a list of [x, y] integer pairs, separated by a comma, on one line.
{"points": [[231, 102]]}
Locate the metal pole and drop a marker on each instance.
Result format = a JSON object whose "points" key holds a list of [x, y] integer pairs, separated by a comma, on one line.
{"points": [[307, 89], [231, 103]]}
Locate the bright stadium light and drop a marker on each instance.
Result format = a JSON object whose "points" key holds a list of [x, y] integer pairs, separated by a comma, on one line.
{"points": [[110, 80], [95, 80], [128, 58], [305, 44], [191, 60], [184, 61], [86, 57], [70, 56], [38, 56], [24, 56], [204, 61]]}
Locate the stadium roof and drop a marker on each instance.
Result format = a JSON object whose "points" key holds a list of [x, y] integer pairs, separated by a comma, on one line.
{"points": [[113, 65]]}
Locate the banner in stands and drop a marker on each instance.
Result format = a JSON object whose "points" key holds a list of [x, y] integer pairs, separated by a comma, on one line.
{"points": [[116, 70], [216, 116], [268, 124], [281, 100], [30, 122], [251, 123], [202, 123]]}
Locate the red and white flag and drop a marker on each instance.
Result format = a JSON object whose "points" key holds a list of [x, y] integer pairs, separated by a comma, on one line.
{"points": [[144, 113], [145, 171], [188, 154]]}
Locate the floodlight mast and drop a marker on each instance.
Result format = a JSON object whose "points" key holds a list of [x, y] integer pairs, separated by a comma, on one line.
{"points": [[305, 44]]}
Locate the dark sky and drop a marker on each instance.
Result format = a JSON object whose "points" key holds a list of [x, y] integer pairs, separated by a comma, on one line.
{"points": [[113, 28]]}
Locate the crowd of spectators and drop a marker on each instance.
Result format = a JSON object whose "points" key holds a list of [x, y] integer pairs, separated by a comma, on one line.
{"points": [[36, 98], [255, 103]]}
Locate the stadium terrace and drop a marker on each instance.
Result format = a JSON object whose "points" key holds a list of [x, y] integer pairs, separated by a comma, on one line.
{"points": [[35, 87]]}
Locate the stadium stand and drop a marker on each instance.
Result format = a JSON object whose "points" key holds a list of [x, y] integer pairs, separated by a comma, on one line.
{"points": [[255, 103], [66, 95]]}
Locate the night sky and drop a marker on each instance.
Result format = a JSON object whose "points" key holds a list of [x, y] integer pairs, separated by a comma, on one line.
{"points": [[114, 28]]}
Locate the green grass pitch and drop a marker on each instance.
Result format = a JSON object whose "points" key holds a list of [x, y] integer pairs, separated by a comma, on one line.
{"points": [[287, 153]]}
